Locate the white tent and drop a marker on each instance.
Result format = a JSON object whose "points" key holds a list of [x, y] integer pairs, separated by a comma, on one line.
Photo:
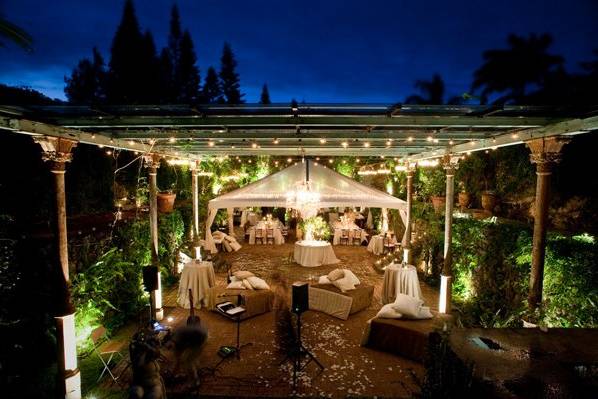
{"points": [[334, 190]]}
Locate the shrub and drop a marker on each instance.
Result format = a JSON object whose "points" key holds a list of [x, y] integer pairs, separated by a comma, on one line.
{"points": [[109, 292]]}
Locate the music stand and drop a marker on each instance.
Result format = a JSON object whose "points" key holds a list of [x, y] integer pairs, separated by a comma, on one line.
{"points": [[227, 350]]}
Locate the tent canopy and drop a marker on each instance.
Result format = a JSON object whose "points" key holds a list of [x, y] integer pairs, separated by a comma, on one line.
{"points": [[334, 189]]}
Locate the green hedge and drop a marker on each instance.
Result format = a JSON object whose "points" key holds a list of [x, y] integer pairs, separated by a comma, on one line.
{"points": [[491, 266]]}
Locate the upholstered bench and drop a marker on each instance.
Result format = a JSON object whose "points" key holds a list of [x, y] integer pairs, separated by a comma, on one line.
{"points": [[256, 301], [330, 300], [403, 337]]}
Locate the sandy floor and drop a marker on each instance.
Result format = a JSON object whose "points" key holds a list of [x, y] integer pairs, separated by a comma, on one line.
{"points": [[350, 370]]}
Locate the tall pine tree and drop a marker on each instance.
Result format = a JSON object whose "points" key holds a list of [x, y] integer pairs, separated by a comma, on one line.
{"points": [[132, 68], [212, 92], [188, 72], [229, 77], [265, 96], [87, 81]]}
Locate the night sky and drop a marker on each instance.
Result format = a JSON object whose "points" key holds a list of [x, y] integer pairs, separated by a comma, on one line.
{"points": [[317, 51]]}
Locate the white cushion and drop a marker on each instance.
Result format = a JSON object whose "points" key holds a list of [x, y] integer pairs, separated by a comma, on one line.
{"points": [[236, 284], [411, 308], [247, 284], [241, 274], [388, 312], [352, 276], [344, 284], [324, 280], [336, 274], [258, 283]]}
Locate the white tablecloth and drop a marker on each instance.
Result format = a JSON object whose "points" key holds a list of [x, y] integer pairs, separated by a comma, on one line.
{"points": [[376, 244], [400, 280], [354, 230], [278, 237], [199, 276], [314, 253]]}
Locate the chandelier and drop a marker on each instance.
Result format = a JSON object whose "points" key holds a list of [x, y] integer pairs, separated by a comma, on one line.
{"points": [[304, 198]]}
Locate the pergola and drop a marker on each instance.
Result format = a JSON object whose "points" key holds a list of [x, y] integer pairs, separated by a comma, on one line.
{"points": [[190, 132]]}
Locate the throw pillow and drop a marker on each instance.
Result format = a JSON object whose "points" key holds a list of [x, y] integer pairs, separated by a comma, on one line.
{"points": [[247, 284], [257, 283], [236, 285], [344, 284], [408, 306], [324, 280], [352, 276], [388, 312], [243, 274], [336, 274]]}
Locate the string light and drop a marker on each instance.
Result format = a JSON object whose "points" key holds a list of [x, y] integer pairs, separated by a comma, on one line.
{"points": [[289, 160], [93, 136], [451, 142], [253, 145], [429, 138], [172, 139], [152, 141], [276, 141], [514, 135], [357, 160], [322, 141], [366, 144], [211, 143], [435, 140], [345, 144], [108, 152], [410, 138], [388, 143], [330, 161]]}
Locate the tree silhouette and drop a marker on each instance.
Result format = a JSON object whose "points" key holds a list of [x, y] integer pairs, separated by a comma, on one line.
{"points": [[212, 92], [432, 91], [265, 96], [509, 72], [133, 66], [87, 81], [188, 72], [229, 77]]}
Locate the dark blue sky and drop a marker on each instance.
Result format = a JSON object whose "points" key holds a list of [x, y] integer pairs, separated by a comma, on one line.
{"points": [[317, 51]]}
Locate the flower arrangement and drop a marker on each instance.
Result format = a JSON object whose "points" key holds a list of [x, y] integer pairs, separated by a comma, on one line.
{"points": [[315, 228]]}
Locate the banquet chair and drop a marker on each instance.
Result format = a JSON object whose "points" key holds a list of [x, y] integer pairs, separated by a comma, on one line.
{"points": [[259, 235], [344, 236], [284, 230], [356, 240], [107, 351], [270, 236], [247, 233], [388, 243]]}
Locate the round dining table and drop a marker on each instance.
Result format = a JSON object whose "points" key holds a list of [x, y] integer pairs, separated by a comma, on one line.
{"points": [[197, 276], [400, 280], [312, 253]]}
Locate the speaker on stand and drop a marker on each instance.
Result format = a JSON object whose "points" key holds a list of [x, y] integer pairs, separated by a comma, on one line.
{"points": [[300, 303]]}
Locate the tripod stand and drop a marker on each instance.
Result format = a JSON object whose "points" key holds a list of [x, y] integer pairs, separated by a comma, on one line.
{"points": [[297, 353]]}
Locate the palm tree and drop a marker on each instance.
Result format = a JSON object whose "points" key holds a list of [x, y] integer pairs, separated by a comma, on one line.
{"points": [[432, 91], [509, 72], [11, 32]]}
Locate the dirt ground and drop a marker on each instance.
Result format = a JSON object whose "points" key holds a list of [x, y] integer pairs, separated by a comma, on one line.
{"points": [[350, 370]]}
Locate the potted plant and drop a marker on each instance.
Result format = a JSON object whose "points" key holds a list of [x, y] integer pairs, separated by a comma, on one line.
{"points": [[166, 200], [464, 196], [488, 200], [435, 187]]}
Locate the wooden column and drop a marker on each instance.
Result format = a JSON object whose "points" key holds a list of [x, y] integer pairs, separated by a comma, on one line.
{"points": [[450, 164], [407, 244], [545, 152], [57, 151], [152, 162]]}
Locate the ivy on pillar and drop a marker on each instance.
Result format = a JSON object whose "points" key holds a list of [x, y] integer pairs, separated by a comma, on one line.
{"points": [[450, 165], [407, 239], [545, 153], [57, 152], [152, 162]]}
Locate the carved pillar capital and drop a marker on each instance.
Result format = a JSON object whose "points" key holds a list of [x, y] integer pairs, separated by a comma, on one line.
{"points": [[546, 152], [56, 150], [450, 163], [152, 161]]}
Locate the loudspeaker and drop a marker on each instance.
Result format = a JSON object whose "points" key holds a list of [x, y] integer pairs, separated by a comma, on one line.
{"points": [[300, 301], [150, 278]]}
